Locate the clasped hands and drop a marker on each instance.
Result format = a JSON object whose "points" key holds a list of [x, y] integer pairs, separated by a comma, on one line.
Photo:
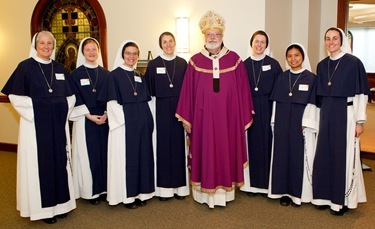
{"points": [[97, 119]]}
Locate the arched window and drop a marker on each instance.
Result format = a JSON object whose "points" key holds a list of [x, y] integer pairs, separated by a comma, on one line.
{"points": [[70, 21]]}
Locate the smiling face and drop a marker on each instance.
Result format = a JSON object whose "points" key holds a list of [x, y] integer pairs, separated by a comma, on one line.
{"points": [[333, 42], [294, 58], [168, 44], [213, 40], [130, 56], [91, 52], [259, 45], [44, 45]]}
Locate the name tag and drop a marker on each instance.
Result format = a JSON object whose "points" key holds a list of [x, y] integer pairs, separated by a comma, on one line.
{"points": [[137, 79], [85, 82], [266, 68], [60, 76], [303, 87], [160, 70]]}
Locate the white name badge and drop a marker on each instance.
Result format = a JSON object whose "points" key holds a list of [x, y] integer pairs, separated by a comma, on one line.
{"points": [[266, 67], [160, 70], [303, 87], [137, 79], [60, 76], [85, 82]]}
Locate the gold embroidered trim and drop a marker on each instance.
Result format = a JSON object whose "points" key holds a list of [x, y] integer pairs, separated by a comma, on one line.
{"points": [[211, 71], [182, 120], [249, 124], [246, 164], [187, 137], [210, 191]]}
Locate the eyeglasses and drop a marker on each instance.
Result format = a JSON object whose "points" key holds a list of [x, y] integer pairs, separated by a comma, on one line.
{"points": [[213, 34], [131, 54]]}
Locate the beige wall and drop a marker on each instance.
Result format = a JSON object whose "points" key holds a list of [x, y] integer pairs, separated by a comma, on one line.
{"points": [[14, 35], [279, 27], [286, 21], [8, 124], [301, 21], [146, 24], [14, 47]]}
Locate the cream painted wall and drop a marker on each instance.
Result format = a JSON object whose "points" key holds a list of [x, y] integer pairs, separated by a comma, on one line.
{"points": [[14, 47], [279, 27], [147, 23], [9, 124], [300, 18], [14, 35], [144, 20], [315, 38], [328, 11], [301, 21]]}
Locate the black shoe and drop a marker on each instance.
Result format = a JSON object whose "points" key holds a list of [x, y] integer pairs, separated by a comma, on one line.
{"points": [[337, 213], [179, 197], [295, 205], [103, 198], [164, 198], [321, 207], [140, 203], [285, 201], [252, 194], [95, 201], [62, 216], [131, 205], [50, 220], [342, 211]]}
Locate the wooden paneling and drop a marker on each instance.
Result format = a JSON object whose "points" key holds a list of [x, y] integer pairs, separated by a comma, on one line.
{"points": [[371, 79], [8, 147], [368, 155], [342, 14], [4, 99]]}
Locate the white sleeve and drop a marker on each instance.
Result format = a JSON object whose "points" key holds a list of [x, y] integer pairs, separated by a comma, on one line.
{"points": [[23, 105], [71, 101], [79, 112], [359, 106], [115, 115], [310, 118]]}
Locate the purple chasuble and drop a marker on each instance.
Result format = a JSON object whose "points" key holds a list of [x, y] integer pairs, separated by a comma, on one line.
{"points": [[218, 120]]}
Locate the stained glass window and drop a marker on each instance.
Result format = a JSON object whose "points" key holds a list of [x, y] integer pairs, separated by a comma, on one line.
{"points": [[70, 21]]}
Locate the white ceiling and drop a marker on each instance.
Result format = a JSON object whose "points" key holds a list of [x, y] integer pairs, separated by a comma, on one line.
{"points": [[361, 13]]}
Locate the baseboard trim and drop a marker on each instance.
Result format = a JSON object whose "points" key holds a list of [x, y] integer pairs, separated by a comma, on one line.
{"points": [[7, 147], [368, 155]]}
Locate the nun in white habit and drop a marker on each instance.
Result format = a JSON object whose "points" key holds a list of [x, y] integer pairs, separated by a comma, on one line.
{"points": [[343, 92], [295, 124], [90, 128], [262, 71], [40, 91], [130, 148]]}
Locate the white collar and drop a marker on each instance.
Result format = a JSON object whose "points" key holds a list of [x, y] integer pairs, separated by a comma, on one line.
{"points": [[338, 56], [41, 60], [90, 65], [167, 57], [258, 58], [299, 71], [126, 68]]}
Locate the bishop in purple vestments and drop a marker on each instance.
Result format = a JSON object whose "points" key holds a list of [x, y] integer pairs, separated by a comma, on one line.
{"points": [[216, 107]]}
